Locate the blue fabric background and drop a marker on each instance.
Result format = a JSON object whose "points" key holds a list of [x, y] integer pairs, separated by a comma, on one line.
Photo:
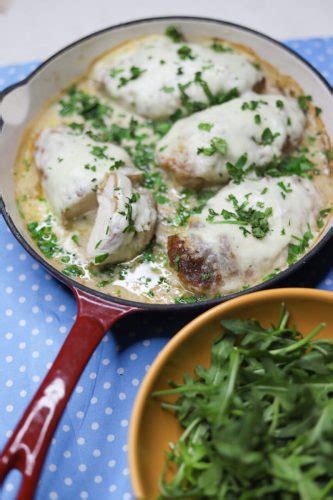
{"points": [[88, 455]]}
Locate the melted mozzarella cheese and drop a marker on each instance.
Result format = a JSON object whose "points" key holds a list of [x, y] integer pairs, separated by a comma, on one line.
{"points": [[154, 92], [179, 150], [292, 212], [73, 165], [125, 221]]}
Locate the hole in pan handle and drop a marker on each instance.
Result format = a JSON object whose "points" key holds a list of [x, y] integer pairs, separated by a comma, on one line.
{"points": [[26, 448]]}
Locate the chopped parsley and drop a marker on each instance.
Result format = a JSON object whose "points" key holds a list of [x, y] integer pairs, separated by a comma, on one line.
{"points": [[217, 145], [279, 104], [285, 189], [295, 250], [185, 52], [73, 271], [45, 238], [237, 171], [101, 258], [168, 90], [291, 165], [252, 105], [322, 215], [257, 119], [218, 47], [250, 220], [135, 73], [128, 213], [205, 126], [303, 102], [174, 34], [85, 105], [267, 137]]}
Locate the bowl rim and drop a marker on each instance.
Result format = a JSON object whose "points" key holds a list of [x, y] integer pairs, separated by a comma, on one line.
{"points": [[182, 335], [158, 307]]}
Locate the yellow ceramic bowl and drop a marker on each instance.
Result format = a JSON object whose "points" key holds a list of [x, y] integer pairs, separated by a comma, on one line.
{"points": [[152, 428]]}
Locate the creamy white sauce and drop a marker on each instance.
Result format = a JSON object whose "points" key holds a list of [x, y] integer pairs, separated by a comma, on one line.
{"points": [[125, 221], [71, 171], [254, 258], [155, 92], [179, 148]]}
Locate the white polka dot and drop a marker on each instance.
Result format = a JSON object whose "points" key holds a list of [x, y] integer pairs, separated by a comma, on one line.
{"points": [[53, 495], [8, 434], [9, 269], [62, 308], [35, 354], [98, 479], [23, 393], [108, 410], [92, 375], [147, 367], [48, 365], [112, 488], [82, 467], [80, 441], [105, 361], [22, 277], [124, 423], [126, 471], [36, 378], [22, 345], [120, 371], [93, 400], [9, 408], [328, 282], [48, 341], [35, 266], [35, 309], [9, 383], [49, 319], [52, 467], [8, 335], [9, 289], [22, 322], [122, 396], [22, 368], [66, 428], [22, 300], [96, 453], [110, 438], [9, 246], [79, 389], [80, 414], [62, 329], [48, 277], [125, 448], [48, 297], [35, 331], [67, 454], [133, 356], [146, 342], [9, 359], [111, 463], [35, 287], [135, 382], [22, 256], [68, 481], [9, 312], [84, 495], [127, 496], [107, 385]]}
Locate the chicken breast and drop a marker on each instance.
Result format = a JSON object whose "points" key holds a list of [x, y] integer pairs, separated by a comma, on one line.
{"points": [[73, 165], [125, 221], [199, 148], [245, 232], [154, 77]]}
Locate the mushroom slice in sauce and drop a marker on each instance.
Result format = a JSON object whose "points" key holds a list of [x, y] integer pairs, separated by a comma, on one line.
{"points": [[125, 221], [155, 77], [244, 232], [197, 149], [73, 165]]}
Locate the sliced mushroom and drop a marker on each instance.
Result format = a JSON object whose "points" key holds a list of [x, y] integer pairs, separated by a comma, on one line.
{"points": [[73, 165], [256, 128], [125, 221]]}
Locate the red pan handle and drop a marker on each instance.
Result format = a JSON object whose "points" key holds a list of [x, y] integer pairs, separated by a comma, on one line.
{"points": [[26, 448]]}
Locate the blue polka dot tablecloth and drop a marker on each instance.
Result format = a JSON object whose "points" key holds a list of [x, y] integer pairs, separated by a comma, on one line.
{"points": [[88, 455]]}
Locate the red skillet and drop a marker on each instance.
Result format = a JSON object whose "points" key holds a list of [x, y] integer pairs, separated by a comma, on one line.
{"points": [[96, 313]]}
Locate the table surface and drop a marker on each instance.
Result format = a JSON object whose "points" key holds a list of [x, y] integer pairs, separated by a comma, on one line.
{"points": [[88, 455], [34, 29]]}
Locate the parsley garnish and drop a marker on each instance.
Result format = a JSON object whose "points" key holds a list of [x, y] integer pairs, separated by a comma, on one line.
{"points": [[101, 258], [217, 145], [252, 105], [295, 250], [303, 102], [236, 171], [128, 213], [267, 137], [218, 47], [322, 214], [250, 220], [185, 52], [168, 90], [135, 73], [173, 33], [73, 271], [205, 126]]}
